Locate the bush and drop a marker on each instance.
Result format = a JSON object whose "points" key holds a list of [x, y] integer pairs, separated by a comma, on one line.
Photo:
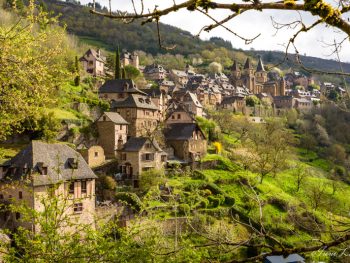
{"points": [[131, 199], [184, 209], [213, 188], [230, 201], [108, 183], [199, 176]]}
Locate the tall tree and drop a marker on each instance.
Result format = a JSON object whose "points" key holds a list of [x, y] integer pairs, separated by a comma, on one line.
{"points": [[123, 73], [118, 73], [76, 67]]}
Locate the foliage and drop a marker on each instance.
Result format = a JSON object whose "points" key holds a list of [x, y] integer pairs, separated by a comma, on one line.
{"points": [[131, 72], [252, 101], [218, 147], [150, 179], [130, 199], [108, 182], [35, 58], [215, 67], [209, 128]]}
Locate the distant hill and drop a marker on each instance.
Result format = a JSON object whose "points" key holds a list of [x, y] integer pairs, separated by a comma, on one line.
{"points": [[108, 33]]}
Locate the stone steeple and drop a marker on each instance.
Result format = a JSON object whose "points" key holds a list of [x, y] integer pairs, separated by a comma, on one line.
{"points": [[248, 64]]}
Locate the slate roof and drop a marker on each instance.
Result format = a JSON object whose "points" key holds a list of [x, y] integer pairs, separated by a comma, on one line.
{"points": [[234, 66], [135, 144], [248, 64], [181, 131], [56, 157], [120, 86], [94, 53], [135, 101], [153, 92], [194, 99], [179, 73], [115, 117], [260, 66]]}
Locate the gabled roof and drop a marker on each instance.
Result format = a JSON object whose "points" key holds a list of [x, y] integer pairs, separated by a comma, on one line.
{"points": [[135, 144], [194, 99], [181, 131], [260, 66], [114, 117], [135, 101], [62, 163], [248, 64], [120, 86], [153, 92], [174, 107], [96, 55], [179, 73]]}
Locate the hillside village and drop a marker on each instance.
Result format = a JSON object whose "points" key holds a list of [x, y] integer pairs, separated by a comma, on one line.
{"points": [[180, 151]]}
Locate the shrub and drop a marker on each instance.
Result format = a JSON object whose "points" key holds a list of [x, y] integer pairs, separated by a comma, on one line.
{"points": [[213, 188], [279, 203], [199, 176], [204, 203], [108, 182], [131, 199]]}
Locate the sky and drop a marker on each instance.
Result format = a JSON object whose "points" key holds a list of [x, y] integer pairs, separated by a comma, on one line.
{"points": [[249, 24]]}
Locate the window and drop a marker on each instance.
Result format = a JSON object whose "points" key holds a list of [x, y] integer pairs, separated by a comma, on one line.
{"points": [[96, 154], [148, 145], [78, 207], [123, 157], [120, 127], [173, 117], [148, 157], [20, 195], [163, 158], [71, 188], [179, 116], [83, 187]]}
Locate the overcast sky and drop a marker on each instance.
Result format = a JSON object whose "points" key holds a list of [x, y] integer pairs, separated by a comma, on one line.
{"points": [[249, 25]]}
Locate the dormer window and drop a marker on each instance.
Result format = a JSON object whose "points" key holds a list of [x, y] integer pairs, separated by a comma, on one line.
{"points": [[42, 169], [141, 100], [73, 163]]}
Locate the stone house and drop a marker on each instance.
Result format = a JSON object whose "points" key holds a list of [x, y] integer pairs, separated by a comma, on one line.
{"points": [[159, 98], [112, 132], [178, 76], [178, 114], [132, 59], [303, 104], [138, 155], [233, 103], [283, 102], [166, 85], [187, 140], [140, 112], [41, 167], [192, 104], [154, 72], [118, 90], [94, 62], [94, 155]]}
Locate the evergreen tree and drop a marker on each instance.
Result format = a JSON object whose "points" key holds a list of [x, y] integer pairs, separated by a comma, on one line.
{"points": [[118, 74], [123, 73], [77, 77]]}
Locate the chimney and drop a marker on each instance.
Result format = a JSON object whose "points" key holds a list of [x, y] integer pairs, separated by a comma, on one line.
{"points": [[98, 52]]}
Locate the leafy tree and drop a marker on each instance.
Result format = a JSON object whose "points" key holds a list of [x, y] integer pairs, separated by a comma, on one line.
{"points": [[131, 72], [333, 95], [268, 147], [150, 179], [252, 101], [215, 67], [34, 64]]}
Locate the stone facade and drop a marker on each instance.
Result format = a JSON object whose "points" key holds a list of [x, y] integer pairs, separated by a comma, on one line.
{"points": [[42, 167], [138, 155], [112, 132], [94, 62], [94, 156]]}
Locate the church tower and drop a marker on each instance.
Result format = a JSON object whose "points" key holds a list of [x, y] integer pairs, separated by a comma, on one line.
{"points": [[235, 71], [249, 75], [260, 74]]}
